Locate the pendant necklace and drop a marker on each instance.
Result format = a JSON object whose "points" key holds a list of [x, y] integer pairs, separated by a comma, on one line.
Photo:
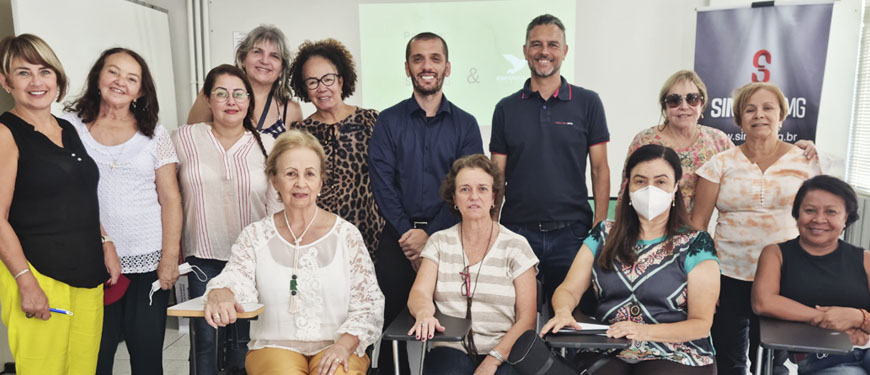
{"points": [[118, 155], [466, 275], [293, 279]]}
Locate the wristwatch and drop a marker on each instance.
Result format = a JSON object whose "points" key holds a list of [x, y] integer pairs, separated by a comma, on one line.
{"points": [[105, 238], [495, 354]]}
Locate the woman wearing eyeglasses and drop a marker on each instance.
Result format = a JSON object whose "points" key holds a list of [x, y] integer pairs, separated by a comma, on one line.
{"points": [[323, 74], [753, 187], [224, 188], [478, 270]]}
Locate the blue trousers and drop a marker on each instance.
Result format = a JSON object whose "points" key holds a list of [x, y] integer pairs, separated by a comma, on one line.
{"points": [[235, 341], [449, 361], [555, 250]]}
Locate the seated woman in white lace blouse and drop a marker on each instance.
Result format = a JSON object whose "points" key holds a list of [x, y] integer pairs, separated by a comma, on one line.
{"points": [[311, 270]]}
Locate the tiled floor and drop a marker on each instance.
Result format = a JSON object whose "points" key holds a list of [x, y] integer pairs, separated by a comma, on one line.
{"points": [[176, 347]]}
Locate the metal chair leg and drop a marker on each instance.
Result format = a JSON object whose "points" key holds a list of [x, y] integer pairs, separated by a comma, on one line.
{"points": [[768, 363], [423, 355], [376, 352], [758, 360], [396, 357]]}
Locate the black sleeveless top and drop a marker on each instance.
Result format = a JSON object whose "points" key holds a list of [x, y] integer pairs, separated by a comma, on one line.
{"points": [[835, 279], [54, 210]]}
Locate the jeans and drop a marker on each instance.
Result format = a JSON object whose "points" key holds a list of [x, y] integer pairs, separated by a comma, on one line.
{"points": [[855, 363], [449, 361], [234, 341], [556, 250], [141, 325]]}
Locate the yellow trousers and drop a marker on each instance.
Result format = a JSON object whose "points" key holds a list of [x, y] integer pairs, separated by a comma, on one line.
{"points": [[62, 344], [277, 361]]}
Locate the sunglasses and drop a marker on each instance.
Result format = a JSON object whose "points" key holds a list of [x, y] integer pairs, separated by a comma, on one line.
{"points": [[692, 99]]}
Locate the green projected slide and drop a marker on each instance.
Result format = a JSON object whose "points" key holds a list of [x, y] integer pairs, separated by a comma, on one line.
{"points": [[484, 38]]}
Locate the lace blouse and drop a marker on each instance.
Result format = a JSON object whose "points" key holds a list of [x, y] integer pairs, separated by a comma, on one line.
{"points": [[129, 210], [338, 290]]}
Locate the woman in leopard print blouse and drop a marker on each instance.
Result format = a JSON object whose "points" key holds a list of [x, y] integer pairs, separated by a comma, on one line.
{"points": [[323, 74]]}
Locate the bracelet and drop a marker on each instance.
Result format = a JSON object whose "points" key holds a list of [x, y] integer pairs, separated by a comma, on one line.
{"points": [[105, 238], [495, 354], [26, 270], [865, 325]]}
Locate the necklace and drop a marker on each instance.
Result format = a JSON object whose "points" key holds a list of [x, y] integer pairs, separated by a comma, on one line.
{"points": [[116, 156], [466, 276], [293, 279], [760, 158]]}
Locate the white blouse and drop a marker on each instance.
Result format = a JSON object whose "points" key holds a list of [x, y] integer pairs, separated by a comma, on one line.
{"points": [[129, 210], [337, 289], [222, 191]]}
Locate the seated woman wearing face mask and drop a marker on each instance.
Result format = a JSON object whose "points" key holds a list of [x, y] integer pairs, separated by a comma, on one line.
{"points": [[656, 278]]}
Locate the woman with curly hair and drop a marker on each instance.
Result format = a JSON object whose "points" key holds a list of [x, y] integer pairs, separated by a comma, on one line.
{"points": [[324, 75]]}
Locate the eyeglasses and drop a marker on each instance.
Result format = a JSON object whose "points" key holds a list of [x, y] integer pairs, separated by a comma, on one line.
{"points": [[327, 80], [692, 99], [239, 95], [466, 281]]}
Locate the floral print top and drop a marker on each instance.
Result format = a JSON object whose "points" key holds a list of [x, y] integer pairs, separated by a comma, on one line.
{"points": [[711, 141], [652, 290], [754, 206]]}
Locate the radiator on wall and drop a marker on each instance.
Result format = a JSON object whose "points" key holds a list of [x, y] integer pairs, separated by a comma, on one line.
{"points": [[858, 234]]}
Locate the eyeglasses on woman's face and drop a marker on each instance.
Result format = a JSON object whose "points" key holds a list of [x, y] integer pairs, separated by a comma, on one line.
{"points": [[327, 80], [221, 95]]}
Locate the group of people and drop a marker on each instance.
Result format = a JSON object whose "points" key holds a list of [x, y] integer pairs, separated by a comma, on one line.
{"points": [[338, 222]]}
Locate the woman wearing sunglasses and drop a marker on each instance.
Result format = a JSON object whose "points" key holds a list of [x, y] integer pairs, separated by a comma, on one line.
{"points": [[478, 270], [753, 187], [323, 74], [224, 188], [683, 98]]}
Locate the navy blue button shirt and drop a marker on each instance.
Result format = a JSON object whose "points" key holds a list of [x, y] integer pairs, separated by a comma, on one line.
{"points": [[409, 155], [547, 141]]}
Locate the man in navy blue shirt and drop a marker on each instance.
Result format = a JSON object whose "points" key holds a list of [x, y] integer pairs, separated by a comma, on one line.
{"points": [[412, 148], [541, 137]]}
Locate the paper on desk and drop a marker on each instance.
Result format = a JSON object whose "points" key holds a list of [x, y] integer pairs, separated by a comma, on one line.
{"points": [[585, 327]]}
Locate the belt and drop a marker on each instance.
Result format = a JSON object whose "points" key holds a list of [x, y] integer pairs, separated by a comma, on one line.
{"points": [[547, 226]]}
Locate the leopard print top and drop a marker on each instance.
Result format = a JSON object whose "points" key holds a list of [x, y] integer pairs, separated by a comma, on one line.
{"points": [[346, 191]]}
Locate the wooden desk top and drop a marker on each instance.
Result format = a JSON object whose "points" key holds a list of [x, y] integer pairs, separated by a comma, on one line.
{"points": [[194, 309]]}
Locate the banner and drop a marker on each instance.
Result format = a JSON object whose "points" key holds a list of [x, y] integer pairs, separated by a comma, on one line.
{"points": [[785, 45]]}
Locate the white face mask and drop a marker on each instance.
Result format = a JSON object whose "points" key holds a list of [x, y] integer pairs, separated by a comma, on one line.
{"points": [[650, 202]]}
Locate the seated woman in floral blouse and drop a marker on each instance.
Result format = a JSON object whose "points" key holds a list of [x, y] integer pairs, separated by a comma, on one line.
{"points": [[657, 279], [311, 270]]}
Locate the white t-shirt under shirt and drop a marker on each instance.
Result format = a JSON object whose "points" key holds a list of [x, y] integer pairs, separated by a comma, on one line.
{"points": [[493, 307], [129, 210], [222, 191]]}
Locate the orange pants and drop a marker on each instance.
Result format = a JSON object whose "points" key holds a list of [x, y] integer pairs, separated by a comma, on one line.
{"points": [[276, 361]]}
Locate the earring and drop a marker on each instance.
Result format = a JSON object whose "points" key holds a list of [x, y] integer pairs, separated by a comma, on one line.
{"points": [[629, 203], [133, 104], [318, 194], [673, 203], [455, 207]]}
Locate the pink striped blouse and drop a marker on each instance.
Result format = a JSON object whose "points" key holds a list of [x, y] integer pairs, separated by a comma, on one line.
{"points": [[222, 191]]}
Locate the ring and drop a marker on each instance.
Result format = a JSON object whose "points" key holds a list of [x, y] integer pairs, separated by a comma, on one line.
{"points": [[28, 315], [337, 360], [216, 316]]}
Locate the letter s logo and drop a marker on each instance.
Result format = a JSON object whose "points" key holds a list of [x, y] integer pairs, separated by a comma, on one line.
{"points": [[760, 64]]}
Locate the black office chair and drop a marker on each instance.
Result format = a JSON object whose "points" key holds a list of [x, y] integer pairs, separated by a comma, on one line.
{"points": [[455, 330]]}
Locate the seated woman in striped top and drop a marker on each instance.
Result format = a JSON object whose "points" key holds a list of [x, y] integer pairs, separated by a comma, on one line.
{"points": [[478, 270]]}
